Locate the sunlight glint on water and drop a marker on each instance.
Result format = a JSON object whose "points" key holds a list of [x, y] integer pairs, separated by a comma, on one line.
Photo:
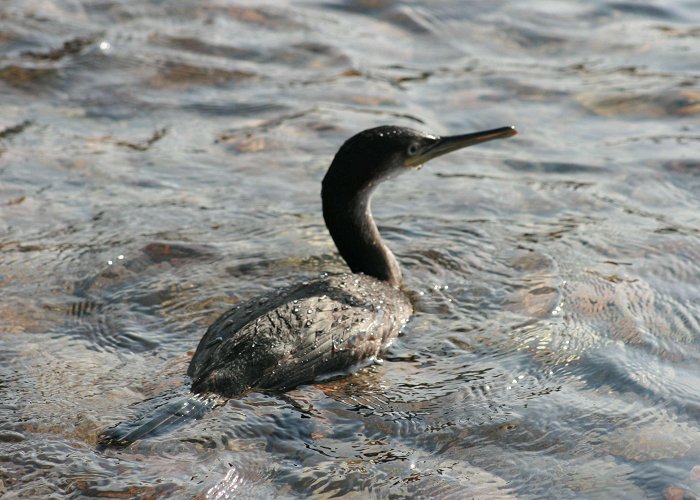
{"points": [[160, 163]]}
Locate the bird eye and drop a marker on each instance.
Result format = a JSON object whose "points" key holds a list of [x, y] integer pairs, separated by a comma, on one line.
{"points": [[412, 149]]}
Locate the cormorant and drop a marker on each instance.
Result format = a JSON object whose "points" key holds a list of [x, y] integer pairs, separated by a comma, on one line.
{"points": [[323, 326]]}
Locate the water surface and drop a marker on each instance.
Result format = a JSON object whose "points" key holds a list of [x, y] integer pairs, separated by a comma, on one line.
{"points": [[161, 161]]}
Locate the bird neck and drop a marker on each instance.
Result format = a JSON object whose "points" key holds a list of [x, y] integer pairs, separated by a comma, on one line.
{"points": [[350, 223]]}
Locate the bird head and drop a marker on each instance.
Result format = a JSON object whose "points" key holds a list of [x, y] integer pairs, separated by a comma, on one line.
{"points": [[378, 153]]}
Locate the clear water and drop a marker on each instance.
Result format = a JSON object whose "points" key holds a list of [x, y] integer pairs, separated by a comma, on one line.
{"points": [[160, 161]]}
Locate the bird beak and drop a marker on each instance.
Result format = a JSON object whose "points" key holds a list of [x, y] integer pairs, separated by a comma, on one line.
{"points": [[444, 145]]}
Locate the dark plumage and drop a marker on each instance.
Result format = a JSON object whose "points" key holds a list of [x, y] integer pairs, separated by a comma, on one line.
{"points": [[330, 324], [295, 335]]}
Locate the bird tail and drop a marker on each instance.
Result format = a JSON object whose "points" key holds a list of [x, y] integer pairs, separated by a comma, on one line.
{"points": [[168, 415]]}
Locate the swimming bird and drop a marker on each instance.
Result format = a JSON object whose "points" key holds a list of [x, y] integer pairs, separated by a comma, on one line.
{"points": [[328, 325]]}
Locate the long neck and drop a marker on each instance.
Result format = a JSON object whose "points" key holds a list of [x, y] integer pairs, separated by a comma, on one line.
{"points": [[349, 220]]}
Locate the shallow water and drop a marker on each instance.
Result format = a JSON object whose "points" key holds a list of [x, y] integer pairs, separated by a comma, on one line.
{"points": [[161, 161]]}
